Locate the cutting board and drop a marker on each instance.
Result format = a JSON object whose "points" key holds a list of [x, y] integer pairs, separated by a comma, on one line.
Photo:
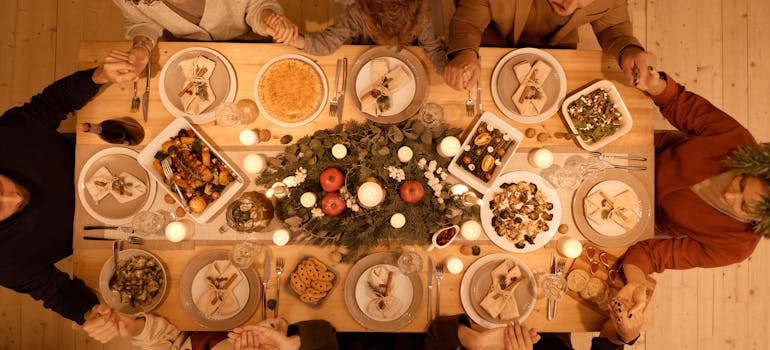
{"points": [[583, 263]]}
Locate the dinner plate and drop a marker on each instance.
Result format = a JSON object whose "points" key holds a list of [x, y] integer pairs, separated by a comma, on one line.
{"points": [[223, 82], [504, 84], [401, 290], [613, 181], [351, 294], [279, 120], [477, 281], [191, 285], [112, 298], [240, 291], [147, 156], [543, 237], [108, 210], [401, 99], [415, 96]]}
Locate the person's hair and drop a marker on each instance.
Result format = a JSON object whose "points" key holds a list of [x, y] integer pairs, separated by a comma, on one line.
{"points": [[394, 22], [146, 2], [755, 161]]}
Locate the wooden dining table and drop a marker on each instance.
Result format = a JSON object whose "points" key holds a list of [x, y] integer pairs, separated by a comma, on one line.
{"points": [[581, 68]]}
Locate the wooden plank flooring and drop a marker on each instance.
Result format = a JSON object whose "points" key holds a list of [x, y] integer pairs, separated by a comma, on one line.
{"points": [[717, 48]]}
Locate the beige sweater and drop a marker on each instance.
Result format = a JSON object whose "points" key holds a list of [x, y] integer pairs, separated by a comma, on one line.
{"points": [[222, 19]]}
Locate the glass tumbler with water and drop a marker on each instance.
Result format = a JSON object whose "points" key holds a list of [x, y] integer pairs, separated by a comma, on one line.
{"points": [[148, 222], [409, 262], [242, 255]]}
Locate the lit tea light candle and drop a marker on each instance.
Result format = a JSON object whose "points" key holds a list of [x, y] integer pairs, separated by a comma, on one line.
{"points": [[308, 199], [339, 151], [370, 194], [458, 189], [569, 247], [454, 265], [470, 230], [254, 163], [248, 137], [448, 147], [181, 230], [541, 158], [398, 220], [281, 237], [405, 154]]}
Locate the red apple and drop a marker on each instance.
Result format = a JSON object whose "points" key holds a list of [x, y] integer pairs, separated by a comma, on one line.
{"points": [[412, 191], [332, 204], [332, 179]]}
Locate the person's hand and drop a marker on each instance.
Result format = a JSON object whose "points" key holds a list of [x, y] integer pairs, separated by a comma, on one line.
{"points": [[649, 80], [101, 323], [262, 338], [116, 68], [633, 61], [463, 70], [626, 313], [281, 28], [491, 339], [519, 337], [138, 56]]}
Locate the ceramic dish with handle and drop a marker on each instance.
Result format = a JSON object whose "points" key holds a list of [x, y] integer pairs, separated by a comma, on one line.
{"points": [[113, 298], [623, 125], [223, 82]]}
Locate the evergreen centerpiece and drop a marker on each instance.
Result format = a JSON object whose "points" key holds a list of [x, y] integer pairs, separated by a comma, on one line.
{"points": [[425, 201]]}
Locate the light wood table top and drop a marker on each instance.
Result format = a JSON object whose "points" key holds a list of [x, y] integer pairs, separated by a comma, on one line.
{"points": [[581, 67]]}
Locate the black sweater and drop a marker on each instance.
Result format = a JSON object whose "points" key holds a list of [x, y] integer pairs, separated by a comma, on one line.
{"points": [[35, 155]]}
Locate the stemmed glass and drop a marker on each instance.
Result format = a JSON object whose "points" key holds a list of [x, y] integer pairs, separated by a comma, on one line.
{"points": [[147, 222], [409, 262], [242, 254]]}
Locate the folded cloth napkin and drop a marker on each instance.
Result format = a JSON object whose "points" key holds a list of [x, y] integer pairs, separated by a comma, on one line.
{"points": [[376, 98], [124, 187], [221, 278], [382, 282], [200, 95], [500, 302]]}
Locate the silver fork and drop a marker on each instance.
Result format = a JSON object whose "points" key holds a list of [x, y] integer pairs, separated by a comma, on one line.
{"points": [[603, 156], [560, 264], [469, 109], [439, 276], [333, 103], [135, 101], [166, 165], [278, 271]]}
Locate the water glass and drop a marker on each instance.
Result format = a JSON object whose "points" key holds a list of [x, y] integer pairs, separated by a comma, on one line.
{"points": [[242, 254], [241, 113], [148, 223], [409, 262], [553, 285]]}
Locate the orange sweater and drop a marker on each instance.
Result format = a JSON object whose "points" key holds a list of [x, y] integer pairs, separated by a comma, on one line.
{"points": [[701, 235]]}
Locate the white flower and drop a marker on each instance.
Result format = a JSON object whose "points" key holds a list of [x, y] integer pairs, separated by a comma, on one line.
{"points": [[300, 175], [443, 176], [433, 181], [428, 174], [439, 170], [317, 212], [343, 191], [355, 207], [421, 164], [440, 200], [396, 173], [432, 165]]}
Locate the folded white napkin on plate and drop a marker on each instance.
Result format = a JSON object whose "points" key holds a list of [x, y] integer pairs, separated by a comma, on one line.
{"points": [[200, 96], [221, 278], [124, 187], [382, 281], [500, 302]]}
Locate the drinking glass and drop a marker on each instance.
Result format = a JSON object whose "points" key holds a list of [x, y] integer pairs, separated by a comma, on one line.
{"points": [[242, 254], [147, 222], [553, 285], [409, 262], [241, 113]]}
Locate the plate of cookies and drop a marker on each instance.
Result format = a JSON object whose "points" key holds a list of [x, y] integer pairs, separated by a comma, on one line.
{"points": [[311, 281]]}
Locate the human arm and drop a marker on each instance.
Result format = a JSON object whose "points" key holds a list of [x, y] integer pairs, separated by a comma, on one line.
{"points": [[347, 26], [614, 32], [253, 337], [147, 331], [257, 13], [465, 29], [136, 23], [433, 45], [626, 315]]}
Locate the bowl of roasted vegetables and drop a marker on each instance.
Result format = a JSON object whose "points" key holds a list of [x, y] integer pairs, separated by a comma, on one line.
{"points": [[205, 179], [597, 114], [138, 284]]}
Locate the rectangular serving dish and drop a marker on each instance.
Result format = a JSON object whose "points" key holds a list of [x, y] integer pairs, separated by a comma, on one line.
{"points": [[625, 123], [147, 156], [464, 174]]}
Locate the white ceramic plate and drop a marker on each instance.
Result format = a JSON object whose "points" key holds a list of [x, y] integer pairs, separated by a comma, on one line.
{"points": [[626, 123], [223, 81], [504, 84], [401, 99], [611, 188], [147, 156], [321, 102], [112, 298], [475, 286], [109, 210], [241, 291], [469, 178], [402, 290], [248, 293], [543, 237]]}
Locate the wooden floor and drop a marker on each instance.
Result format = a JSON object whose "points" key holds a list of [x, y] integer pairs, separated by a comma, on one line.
{"points": [[717, 48]]}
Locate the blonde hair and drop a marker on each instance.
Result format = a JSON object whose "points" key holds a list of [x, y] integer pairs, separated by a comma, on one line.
{"points": [[394, 22]]}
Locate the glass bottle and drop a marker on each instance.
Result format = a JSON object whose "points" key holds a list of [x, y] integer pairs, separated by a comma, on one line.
{"points": [[121, 131]]}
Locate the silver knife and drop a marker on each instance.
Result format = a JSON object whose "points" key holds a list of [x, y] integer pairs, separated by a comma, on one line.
{"points": [[265, 278], [146, 96], [430, 289], [549, 314], [341, 105]]}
